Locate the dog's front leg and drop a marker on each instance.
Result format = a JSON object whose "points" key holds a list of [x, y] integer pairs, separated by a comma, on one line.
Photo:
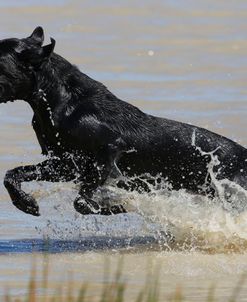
{"points": [[53, 170], [97, 174]]}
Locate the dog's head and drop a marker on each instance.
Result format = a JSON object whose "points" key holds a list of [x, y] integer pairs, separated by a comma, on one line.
{"points": [[19, 60]]}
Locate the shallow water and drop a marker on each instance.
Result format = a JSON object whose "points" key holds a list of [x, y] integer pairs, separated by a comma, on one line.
{"points": [[184, 60]]}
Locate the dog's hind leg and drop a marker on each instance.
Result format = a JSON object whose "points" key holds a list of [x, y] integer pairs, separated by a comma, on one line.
{"points": [[97, 174], [53, 170]]}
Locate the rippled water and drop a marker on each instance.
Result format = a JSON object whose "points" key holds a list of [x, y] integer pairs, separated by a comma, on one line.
{"points": [[184, 60]]}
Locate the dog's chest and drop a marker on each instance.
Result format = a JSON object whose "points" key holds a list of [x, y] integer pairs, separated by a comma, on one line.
{"points": [[48, 136]]}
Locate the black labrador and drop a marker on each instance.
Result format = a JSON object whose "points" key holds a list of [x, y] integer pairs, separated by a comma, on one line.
{"points": [[88, 134]]}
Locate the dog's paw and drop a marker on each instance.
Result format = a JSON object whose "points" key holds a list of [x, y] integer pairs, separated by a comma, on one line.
{"points": [[27, 204], [86, 206], [113, 210]]}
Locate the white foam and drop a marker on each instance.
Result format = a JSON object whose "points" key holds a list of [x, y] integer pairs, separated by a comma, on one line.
{"points": [[197, 222]]}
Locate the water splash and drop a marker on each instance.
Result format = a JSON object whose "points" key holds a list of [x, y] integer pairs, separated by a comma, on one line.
{"points": [[196, 222]]}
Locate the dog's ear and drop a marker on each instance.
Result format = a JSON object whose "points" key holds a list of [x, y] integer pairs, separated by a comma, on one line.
{"points": [[47, 50], [36, 57], [37, 37]]}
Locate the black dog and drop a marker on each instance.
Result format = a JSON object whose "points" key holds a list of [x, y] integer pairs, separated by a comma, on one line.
{"points": [[88, 134]]}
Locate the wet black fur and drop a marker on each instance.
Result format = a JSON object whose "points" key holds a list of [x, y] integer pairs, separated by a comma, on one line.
{"points": [[88, 134]]}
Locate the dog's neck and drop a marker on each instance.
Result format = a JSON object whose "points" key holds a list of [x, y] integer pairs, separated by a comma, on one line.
{"points": [[61, 83]]}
